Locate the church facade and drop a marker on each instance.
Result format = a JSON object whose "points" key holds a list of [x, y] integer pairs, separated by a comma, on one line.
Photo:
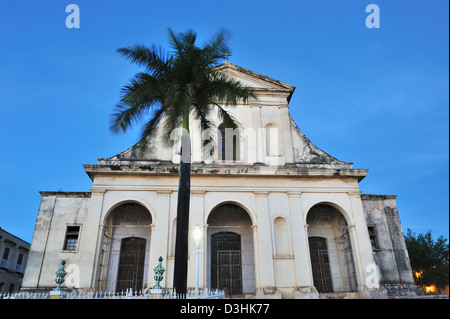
{"points": [[279, 217]]}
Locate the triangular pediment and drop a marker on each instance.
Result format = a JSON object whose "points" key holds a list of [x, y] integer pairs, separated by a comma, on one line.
{"points": [[255, 80], [296, 150]]}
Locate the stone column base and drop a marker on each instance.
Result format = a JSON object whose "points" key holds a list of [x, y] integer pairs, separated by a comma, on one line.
{"points": [[306, 292], [268, 293]]}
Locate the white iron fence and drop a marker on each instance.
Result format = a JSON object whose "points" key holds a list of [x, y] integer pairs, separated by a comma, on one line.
{"points": [[128, 294]]}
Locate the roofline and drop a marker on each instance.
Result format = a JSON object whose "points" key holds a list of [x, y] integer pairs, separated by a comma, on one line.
{"points": [[66, 194], [377, 197], [287, 86], [16, 237]]}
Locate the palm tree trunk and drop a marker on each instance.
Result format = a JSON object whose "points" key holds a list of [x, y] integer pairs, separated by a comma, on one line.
{"points": [[182, 238]]}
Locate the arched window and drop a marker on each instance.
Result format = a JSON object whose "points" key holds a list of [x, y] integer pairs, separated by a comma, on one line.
{"points": [[228, 144]]}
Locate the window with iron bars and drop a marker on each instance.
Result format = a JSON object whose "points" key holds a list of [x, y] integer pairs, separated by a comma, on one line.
{"points": [[71, 240]]}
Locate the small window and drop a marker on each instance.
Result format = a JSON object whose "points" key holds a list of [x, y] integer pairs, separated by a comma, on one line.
{"points": [[6, 253], [225, 149], [72, 234], [20, 259], [373, 237]]}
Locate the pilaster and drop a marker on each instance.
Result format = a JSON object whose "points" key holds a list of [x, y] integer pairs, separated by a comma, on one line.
{"points": [[159, 235], [93, 225], [264, 262], [300, 237], [196, 218]]}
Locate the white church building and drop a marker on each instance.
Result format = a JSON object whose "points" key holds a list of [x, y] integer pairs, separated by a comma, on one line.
{"points": [[280, 218]]}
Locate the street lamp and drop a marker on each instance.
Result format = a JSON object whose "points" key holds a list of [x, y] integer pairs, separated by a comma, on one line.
{"points": [[197, 236]]}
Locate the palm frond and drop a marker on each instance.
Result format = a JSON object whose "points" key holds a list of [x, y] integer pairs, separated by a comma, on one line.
{"points": [[224, 89], [154, 59], [138, 97], [217, 47], [125, 115], [176, 111], [150, 130], [151, 126], [142, 89], [178, 84], [181, 41], [228, 120]]}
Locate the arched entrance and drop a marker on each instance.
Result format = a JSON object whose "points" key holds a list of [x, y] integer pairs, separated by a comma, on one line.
{"points": [[230, 255], [330, 249], [125, 248]]}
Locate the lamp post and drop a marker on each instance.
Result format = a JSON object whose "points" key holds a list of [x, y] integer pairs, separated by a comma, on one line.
{"points": [[197, 236]]}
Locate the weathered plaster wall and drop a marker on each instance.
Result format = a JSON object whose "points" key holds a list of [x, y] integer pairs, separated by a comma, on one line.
{"points": [[391, 256], [57, 211]]}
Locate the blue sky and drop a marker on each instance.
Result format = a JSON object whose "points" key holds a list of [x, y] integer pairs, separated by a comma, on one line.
{"points": [[376, 97]]}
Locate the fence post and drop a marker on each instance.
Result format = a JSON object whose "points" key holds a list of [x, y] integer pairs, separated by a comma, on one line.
{"points": [[58, 293], [157, 290]]}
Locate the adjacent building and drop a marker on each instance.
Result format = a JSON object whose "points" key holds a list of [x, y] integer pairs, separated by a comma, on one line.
{"points": [[14, 255]]}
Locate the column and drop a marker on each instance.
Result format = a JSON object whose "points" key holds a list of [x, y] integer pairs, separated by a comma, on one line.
{"points": [[160, 236], [265, 252], [256, 255], [300, 237]]}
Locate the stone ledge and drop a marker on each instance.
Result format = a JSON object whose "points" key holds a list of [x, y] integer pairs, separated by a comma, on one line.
{"points": [[247, 170], [401, 291], [66, 194], [377, 197]]}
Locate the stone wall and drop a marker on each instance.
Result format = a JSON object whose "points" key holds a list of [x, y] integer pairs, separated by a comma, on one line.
{"points": [[391, 255], [57, 211]]}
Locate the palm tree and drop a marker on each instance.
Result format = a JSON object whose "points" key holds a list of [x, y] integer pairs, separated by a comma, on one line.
{"points": [[177, 86]]}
